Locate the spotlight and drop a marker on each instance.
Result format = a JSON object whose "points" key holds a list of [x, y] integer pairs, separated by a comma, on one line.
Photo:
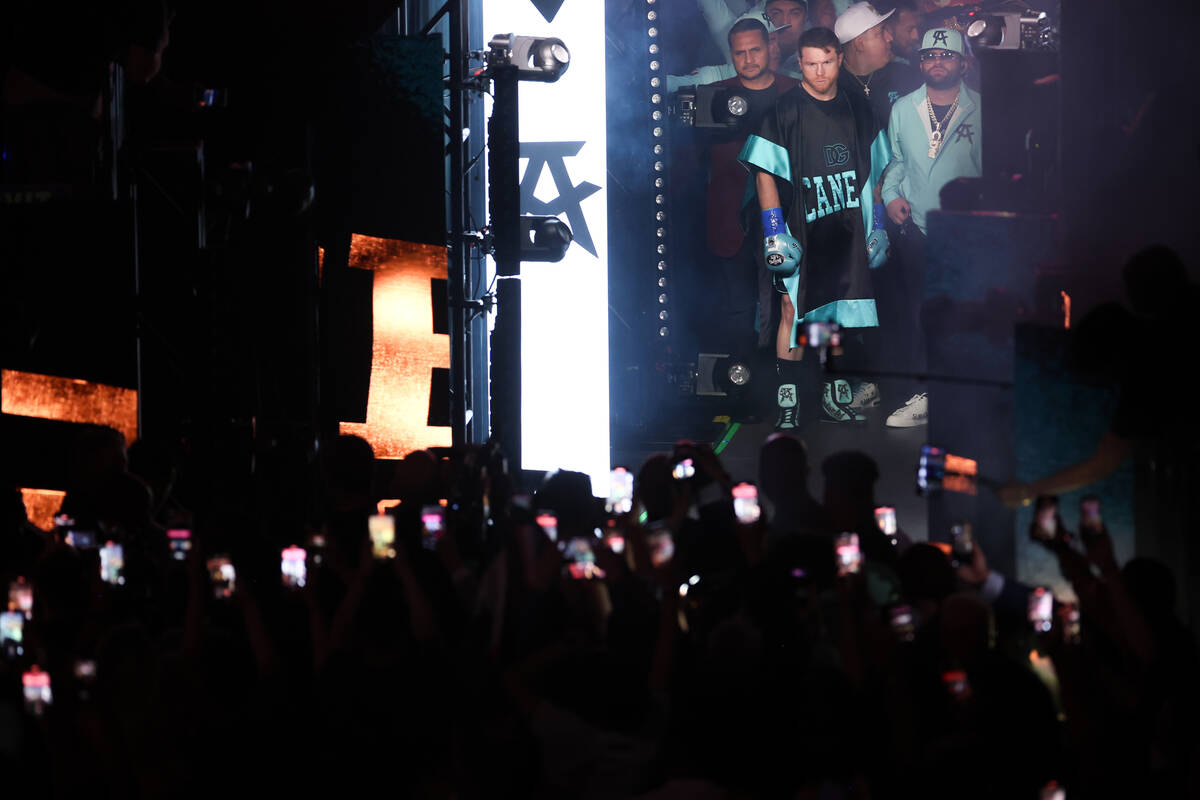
{"points": [[986, 32], [1027, 30], [544, 238], [709, 106], [542, 59], [721, 375]]}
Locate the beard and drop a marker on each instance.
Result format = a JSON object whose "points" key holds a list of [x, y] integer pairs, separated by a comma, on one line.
{"points": [[947, 81]]}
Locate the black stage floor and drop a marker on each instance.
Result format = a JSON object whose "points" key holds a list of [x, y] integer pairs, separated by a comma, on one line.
{"points": [[895, 450]]}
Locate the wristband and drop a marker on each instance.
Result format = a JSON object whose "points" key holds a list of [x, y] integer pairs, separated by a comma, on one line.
{"points": [[879, 212], [772, 221]]}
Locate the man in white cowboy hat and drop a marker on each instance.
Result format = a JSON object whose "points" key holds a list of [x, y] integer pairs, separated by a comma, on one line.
{"points": [[935, 133]]}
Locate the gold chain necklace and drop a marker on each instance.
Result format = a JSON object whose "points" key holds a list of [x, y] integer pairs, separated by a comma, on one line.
{"points": [[937, 137]]}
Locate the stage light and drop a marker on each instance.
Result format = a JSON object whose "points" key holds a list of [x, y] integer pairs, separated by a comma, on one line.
{"points": [[542, 59], [564, 317], [737, 105], [986, 32], [722, 375], [544, 239], [738, 374]]}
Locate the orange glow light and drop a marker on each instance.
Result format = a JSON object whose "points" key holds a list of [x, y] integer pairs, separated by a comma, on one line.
{"points": [[405, 348], [27, 394], [958, 483], [1066, 298], [41, 505], [960, 465]]}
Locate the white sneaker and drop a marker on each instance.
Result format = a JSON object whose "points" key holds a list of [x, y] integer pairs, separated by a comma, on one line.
{"points": [[866, 395], [914, 412], [788, 413]]}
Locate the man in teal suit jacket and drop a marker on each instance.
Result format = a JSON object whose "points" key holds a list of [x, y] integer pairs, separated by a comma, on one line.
{"points": [[936, 136]]}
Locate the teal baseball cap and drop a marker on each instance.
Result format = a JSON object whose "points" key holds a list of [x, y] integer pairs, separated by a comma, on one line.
{"points": [[943, 39]]}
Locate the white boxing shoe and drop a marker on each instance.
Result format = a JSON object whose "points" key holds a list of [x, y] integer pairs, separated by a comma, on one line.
{"points": [[913, 413]]}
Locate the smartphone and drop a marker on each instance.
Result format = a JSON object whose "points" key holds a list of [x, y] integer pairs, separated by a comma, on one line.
{"points": [[614, 538], [433, 525], [223, 575], [620, 491], [1090, 521], [660, 543], [1070, 623], [1045, 519], [849, 557], [549, 524], [20, 597], [885, 518], [12, 633], [962, 543], [112, 563], [179, 541], [293, 565], [684, 468], [37, 691], [956, 683], [745, 503], [902, 622], [1041, 609], [81, 540], [581, 560], [382, 528]]}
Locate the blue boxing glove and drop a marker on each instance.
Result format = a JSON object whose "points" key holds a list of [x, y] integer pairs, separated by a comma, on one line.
{"points": [[782, 250], [877, 241]]}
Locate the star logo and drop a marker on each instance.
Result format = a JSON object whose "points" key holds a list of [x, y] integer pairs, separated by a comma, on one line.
{"points": [[965, 131], [940, 37], [552, 156]]}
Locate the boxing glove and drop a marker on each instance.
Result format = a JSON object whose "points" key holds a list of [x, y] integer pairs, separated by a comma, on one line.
{"points": [[782, 251], [877, 240]]}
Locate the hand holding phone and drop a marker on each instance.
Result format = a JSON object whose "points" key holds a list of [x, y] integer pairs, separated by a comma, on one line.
{"points": [[620, 492], [179, 541], [382, 529], [12, 633], [293, 565], [745, 503], [223, 576], [849, 557], [962, 543], [1041, 609], [112, 563], [1045, 520], [433, 525], [1090, 521], [20, 597]]}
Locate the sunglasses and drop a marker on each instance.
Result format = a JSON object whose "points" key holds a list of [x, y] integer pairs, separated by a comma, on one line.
{"points": [[942, 56]]}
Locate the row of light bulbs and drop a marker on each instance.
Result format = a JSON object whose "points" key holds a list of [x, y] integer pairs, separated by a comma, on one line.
{"points": [[660, 199]]}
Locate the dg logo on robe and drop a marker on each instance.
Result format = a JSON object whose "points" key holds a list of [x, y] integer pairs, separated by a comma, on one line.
{"points": [[836, 155]]}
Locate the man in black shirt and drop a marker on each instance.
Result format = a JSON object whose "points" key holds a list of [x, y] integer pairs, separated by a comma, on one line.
{"points": [[869, 70], [815, 159], [736, 250]]}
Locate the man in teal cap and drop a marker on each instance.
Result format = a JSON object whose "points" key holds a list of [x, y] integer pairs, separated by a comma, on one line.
{"points": [[935, 134]]}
